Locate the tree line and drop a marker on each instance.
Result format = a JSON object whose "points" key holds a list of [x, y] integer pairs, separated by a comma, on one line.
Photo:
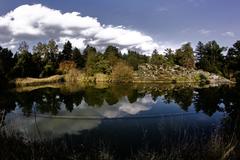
{"points": [[46, 58]]}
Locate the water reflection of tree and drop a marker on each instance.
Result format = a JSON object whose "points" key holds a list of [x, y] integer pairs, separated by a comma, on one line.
{"points": [[68, 100], [133, 96], [7, 101], [182, 96], [208, 100], [25, 101], [7, 104], [49, 100], [94, 96]]}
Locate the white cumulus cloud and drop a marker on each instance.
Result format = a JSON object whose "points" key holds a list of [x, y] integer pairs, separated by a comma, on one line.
{"points": [[34, 23], [229, 34], [204, 32]]}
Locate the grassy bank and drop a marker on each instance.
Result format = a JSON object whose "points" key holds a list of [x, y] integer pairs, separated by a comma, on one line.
{"points": [[20, 82]]}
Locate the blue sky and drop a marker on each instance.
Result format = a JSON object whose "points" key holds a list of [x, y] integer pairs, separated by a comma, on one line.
{"points": [[168, 22]]}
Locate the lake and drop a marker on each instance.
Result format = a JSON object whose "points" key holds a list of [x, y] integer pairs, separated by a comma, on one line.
{"points": [[127, 121]]}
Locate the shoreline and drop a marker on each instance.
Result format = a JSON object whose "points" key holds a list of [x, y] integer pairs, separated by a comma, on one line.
{"points": [[57, 79], [74, 86]]}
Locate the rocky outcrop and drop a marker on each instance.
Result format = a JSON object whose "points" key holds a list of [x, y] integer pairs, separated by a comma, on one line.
{"points": [[176, 74]]}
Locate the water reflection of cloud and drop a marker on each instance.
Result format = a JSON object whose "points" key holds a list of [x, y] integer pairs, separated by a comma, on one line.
{"points": [[34, 127], [63, 125], [142, 104], [123, 108]]}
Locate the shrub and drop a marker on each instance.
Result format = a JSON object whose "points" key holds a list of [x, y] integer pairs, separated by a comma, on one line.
{"points": [[100, 77], [66, 66], [74, 75], [122, 72]]}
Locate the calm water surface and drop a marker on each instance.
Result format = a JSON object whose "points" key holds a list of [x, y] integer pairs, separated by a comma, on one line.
{"points": [[123, 119]]}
